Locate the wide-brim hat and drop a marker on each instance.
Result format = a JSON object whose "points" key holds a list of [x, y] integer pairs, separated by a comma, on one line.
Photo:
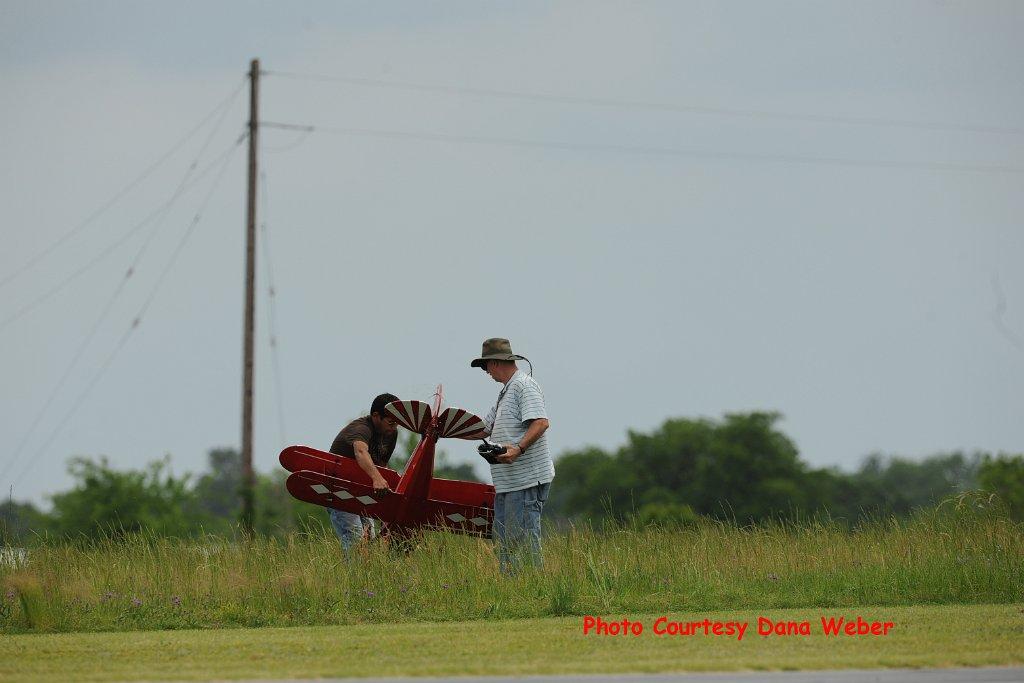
{"points": [[495, 348]]}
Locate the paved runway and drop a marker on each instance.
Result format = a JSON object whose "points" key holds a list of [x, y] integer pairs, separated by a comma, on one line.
{"points": [[985, 675]]}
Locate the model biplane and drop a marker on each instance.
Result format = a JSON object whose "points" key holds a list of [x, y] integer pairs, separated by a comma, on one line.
{"points": [[417, 499]]}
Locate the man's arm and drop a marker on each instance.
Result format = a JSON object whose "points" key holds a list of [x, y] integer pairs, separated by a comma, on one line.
{"points": [[492, 415], [366, 462], [533, 432]]}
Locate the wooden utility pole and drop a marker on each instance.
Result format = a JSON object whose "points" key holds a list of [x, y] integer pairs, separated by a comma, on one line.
{"points": [[248, 476]]}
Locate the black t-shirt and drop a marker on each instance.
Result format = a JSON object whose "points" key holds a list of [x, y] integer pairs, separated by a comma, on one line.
{"points": [[361, 429]]}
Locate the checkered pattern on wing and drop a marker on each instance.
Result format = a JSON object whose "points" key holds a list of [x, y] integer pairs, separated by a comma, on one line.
{"points": [[413, 415], [460, 519], [340, 494], [460, 424]]}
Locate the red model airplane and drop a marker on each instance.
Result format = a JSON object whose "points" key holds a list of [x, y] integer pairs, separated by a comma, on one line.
{"points": [[417, 499]]}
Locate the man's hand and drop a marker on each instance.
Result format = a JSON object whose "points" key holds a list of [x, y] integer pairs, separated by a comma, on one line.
{"points": [[380, 486], [513, 451]]}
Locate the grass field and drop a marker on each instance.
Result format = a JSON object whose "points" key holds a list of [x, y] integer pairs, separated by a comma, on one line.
{"points": [[950, 556], [925, 636]]}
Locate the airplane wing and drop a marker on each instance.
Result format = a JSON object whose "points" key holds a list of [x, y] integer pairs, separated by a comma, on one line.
{"points": [[340, 494], [295, 458], [462, 492], [350, 496], [460, 424], [413, 415], [472, 520]]}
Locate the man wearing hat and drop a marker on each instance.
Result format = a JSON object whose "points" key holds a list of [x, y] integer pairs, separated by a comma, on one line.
{"points": [[523, 475]]}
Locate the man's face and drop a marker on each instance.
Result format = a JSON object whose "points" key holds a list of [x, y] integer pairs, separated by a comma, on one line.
{"points": [[492, 368], [385, 424]]}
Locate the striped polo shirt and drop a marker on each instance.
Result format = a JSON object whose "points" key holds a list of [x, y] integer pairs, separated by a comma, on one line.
{"points": [[521, 400]]}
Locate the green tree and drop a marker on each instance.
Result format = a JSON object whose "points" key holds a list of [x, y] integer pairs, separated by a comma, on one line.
{"points": [[18, 521], [593, 484], [744, 467], [1004, 476], [218, 490], [106, 501], [217, 493], [741, 467], [898, 486], [278, 513]]}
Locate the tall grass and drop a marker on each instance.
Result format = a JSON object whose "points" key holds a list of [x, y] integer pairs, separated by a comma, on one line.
{"points": [[956, 554]]}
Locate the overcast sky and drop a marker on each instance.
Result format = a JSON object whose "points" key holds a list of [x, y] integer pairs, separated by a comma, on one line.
{"points": [[673, 209]]}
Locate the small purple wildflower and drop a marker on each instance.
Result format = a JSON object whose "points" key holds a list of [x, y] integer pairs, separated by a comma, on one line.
{"points": [[176, 601], [136, 602], [109, 595], [370, 594]]}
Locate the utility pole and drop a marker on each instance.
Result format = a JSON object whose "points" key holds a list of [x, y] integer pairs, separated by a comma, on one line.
{"points": [[248, 476]]}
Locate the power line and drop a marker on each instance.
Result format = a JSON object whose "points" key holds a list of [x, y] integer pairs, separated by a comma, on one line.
{"points": [[224, 104], [272, 313], [290, 146], [119, 241], [654, 106], [136, 321], [114, 297], [184, 182], [645, 150], [188, 233], [997, 315]]}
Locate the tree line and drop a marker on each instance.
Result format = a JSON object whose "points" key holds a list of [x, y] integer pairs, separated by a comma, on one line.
{"points": [[744, 469], [740, 468]]}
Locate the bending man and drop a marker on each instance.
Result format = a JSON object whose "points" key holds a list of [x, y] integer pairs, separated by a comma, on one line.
{"points": [[371, 441]]}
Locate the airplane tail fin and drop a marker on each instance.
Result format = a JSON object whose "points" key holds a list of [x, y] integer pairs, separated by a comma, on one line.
{"points": [[413, 415], [460, 424]]}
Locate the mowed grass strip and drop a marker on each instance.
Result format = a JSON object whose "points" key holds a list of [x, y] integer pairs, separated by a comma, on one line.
{"points": [[923, 636]]}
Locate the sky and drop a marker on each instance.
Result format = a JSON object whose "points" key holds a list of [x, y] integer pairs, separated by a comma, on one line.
{"points": [[674, 209]]}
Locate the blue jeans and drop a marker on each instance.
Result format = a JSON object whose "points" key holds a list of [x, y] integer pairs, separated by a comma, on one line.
{"points": [[516, 526], [350, 527]]}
